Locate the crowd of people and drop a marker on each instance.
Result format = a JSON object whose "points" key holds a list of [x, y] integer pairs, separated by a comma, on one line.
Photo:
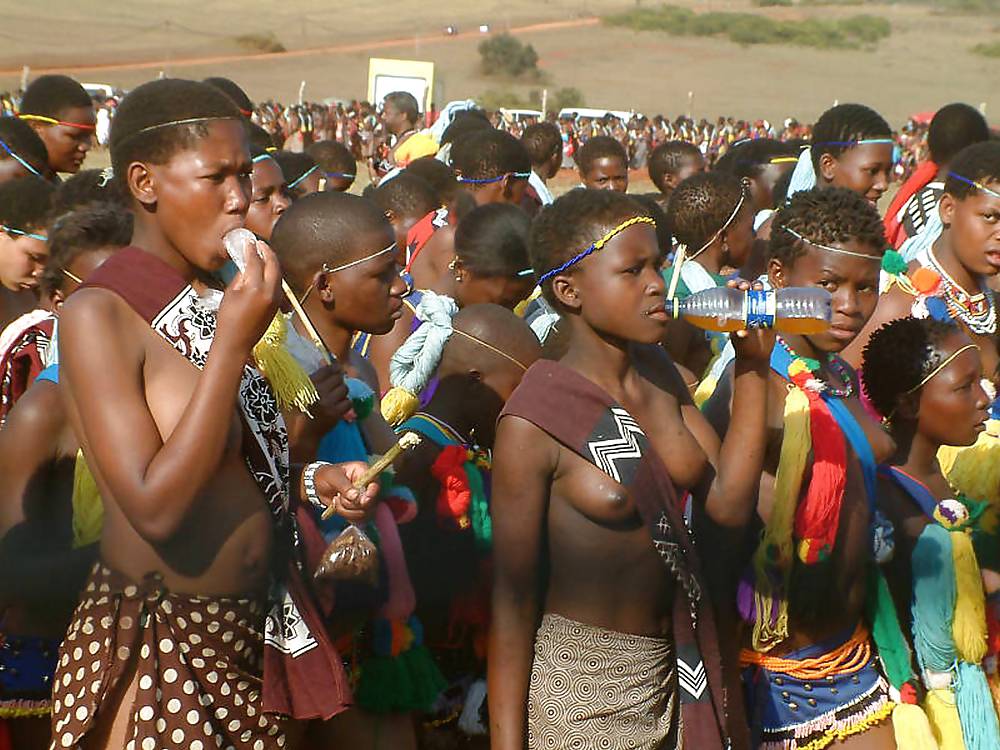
{"points": [[442, 465]]}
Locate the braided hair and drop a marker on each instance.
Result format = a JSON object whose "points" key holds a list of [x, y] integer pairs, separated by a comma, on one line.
{"points": [[700, 206], [979, 163], [846, 124]]}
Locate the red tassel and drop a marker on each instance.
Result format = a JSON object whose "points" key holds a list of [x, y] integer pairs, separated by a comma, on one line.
{"points": [[818, 515], [455, 496]]}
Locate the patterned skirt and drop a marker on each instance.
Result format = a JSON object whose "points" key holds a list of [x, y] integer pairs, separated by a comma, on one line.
{"points": [[197, 661], [596, 688]]}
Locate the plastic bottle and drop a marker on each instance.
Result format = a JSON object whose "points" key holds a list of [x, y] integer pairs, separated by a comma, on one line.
{"points": [[801, 310]]}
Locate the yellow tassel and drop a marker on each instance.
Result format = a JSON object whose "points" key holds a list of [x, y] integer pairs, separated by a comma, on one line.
{"points": [[398, 405], [969, 626], [911, 728], [88, 509], [290, 383], [975, 470], [775, 548], [704, 390], [942, 713], [522, 306]]}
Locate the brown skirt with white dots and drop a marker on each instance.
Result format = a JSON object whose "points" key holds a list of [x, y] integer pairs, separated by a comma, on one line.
{"points": [[198, 663]]}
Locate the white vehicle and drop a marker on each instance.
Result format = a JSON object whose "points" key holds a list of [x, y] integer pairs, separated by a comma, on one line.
{"points": [[99, 91], [520, 115], [575, 113]]}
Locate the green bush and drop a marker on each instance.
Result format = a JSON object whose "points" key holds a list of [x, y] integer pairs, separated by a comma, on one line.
{"points": [[508, 55], [566, 97], [750, 28], [264, 42], [987, 49], [770, 3]]}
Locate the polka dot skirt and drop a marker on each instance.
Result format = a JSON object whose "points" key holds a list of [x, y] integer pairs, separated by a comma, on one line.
{"points": [[198, 662]]}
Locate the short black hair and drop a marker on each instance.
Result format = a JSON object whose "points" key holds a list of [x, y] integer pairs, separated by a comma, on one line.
{"points": [[260, 137], [700, 206], [464, 122], [406, 195], [333, 156], [954, 127], [51, 95], [542, 140], [826, 216], [899, 355], [488, 154], [87, 186], [438, 175], [979, 162], [667, 158], [25, 204], [323, 228], [294, 165], [22, 139], [406, 103], [492, 240], [846, 124], [233, 90], [572, 223], [600, 147], [93, 227], [749, 158], [664, 236], [149, 124]]}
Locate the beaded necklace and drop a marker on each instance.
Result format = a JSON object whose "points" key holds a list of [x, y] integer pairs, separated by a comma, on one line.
{"points": [[836, 366], [978, 311]]}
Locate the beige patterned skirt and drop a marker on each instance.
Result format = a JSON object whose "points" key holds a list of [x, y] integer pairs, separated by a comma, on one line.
{"points": [[595, 688]]}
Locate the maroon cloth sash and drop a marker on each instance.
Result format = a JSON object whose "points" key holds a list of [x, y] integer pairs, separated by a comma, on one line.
{"points": [[303, 674], [581, 416]]}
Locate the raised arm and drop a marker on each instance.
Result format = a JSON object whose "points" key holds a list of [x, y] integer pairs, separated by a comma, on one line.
{"points": [[524, 461], [156, 481]]}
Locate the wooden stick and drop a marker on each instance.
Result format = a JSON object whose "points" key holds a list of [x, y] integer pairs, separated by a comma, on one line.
{"points": [[408, 441], [678, 264], [310, 328]]}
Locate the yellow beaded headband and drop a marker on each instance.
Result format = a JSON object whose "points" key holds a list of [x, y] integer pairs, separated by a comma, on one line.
{"points": [[941, 366], [596, 246]]}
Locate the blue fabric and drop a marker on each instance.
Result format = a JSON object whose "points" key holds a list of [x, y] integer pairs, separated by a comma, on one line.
{"points": [[916, 490], [27, 665], [50, 373]]}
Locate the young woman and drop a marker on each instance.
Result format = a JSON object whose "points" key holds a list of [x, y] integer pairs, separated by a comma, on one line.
{"points": [[602, 632], [924, 377]]}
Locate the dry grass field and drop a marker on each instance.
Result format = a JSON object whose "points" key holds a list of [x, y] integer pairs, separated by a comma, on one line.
{"points": [[924, 63]]}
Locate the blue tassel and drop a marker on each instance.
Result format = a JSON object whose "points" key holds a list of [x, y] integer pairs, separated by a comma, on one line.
{"points": [[975, 709]]}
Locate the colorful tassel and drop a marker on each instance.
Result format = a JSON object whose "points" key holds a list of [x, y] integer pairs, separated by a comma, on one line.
{"points": [[942, 713], [911, 728], [398, 405], [479, 510], [290, 383], [88, 508], [455, 496], [980, 729], [969, 625], [933, 571], [974, 470], [773, 558]]}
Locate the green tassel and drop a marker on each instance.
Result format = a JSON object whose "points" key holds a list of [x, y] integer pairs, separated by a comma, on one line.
{"points": [[479, 509], [886, 630], [408, 682], [893, 263]]}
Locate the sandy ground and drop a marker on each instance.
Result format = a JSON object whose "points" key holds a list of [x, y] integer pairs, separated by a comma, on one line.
{"points": [[925, 63]]}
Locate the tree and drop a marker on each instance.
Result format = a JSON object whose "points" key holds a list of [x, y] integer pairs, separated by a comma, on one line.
{"points": [[504, 53], [566, 97]]}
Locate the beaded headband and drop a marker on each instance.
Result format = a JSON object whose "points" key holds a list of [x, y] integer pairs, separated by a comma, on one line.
{"points": [[595, 247], [975, 184], [70, 275], [941, 366], [18, 159], [492, 348], [350, 264], [301, 177], [186, 121], [32, 235], [830, 248], [344, 175], [783, 160], [261, 157], [858, 142], [489, 180], [54, 121]]}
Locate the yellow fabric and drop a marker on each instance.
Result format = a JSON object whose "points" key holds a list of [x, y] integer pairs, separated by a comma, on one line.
{"points": [[911, 728], [975, 470], [841, 733], [398, 405], [942, 713], [969, 626], [414, 147], [775, 548], [88, 509], [290, 383]]}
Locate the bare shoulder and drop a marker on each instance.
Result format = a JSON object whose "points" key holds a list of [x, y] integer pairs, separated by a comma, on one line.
{"points": [[523, 448], [40, 411], [90, 313]]}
